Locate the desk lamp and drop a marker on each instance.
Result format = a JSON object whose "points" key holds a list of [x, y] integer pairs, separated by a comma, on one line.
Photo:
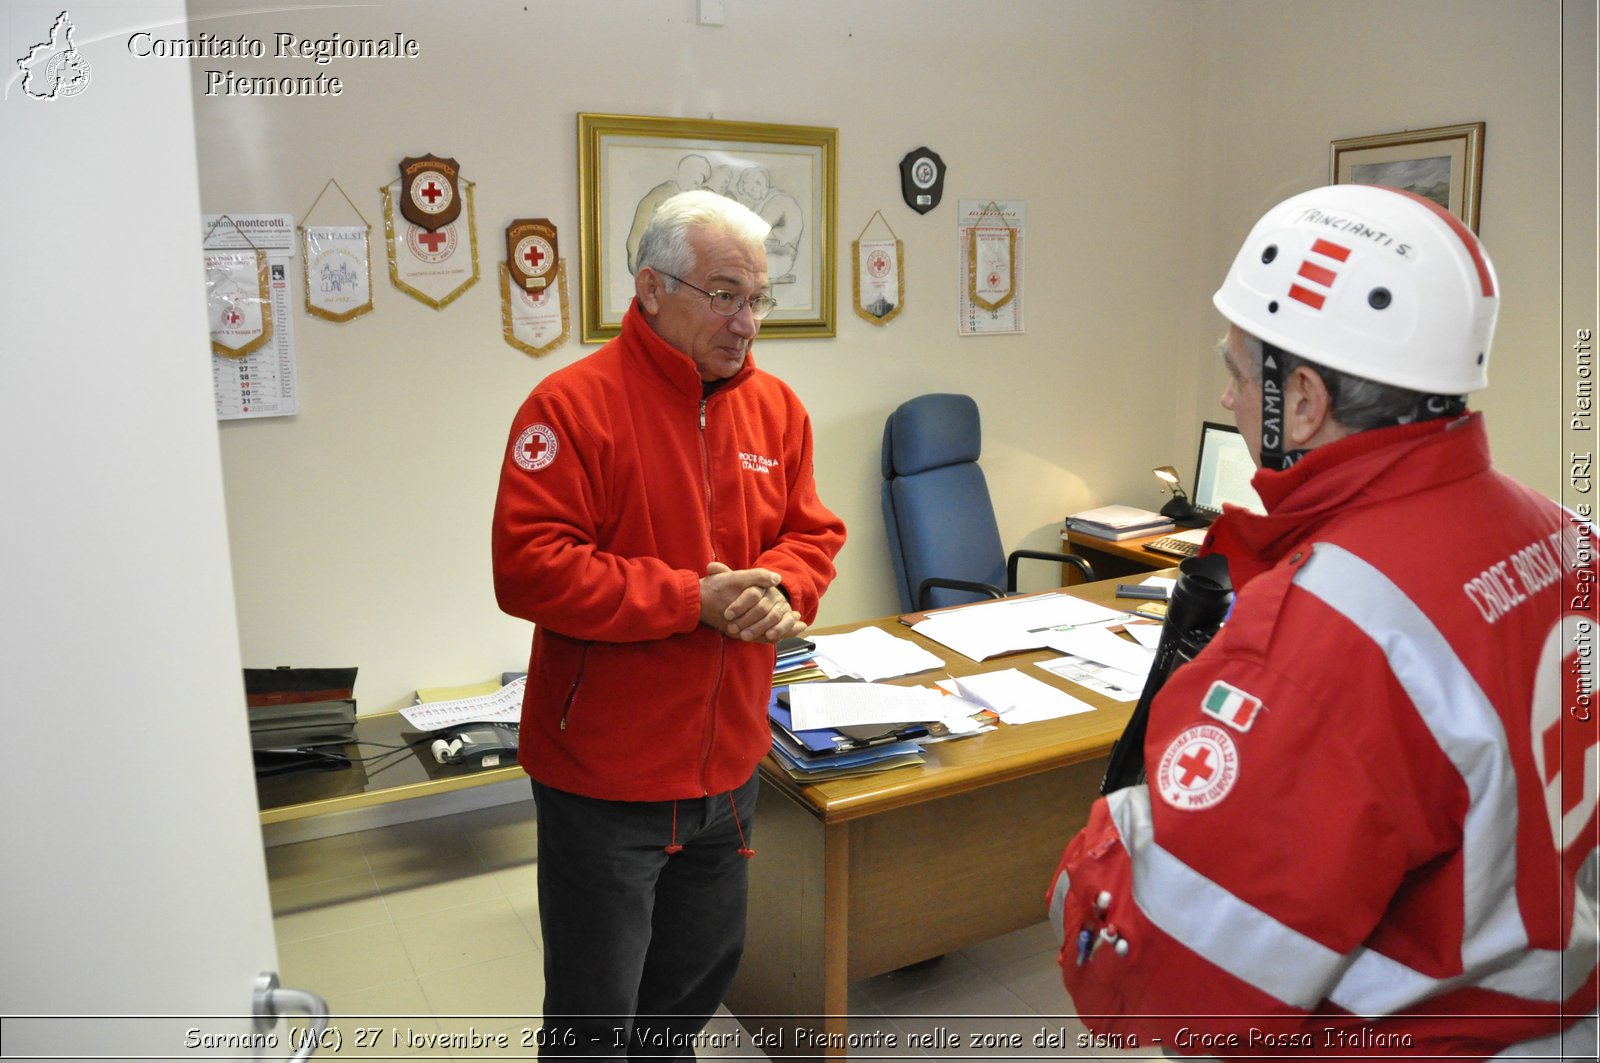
{"points": [[1178, 507]]}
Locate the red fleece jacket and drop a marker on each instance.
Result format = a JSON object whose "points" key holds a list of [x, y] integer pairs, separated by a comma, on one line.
{"points": [[620, 484]]}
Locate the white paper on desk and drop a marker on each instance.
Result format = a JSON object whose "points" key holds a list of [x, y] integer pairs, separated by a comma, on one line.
{"points": [[1146, 635], [503, 706], [814, 706], [1046, 611], [973, 636], [1098, 644], [1018, 698], [871, 653], [1101, 678], [961, 717], [992, 628]]}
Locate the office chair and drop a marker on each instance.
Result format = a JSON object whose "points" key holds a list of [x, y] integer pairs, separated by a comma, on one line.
{"points": [[943, 539]]}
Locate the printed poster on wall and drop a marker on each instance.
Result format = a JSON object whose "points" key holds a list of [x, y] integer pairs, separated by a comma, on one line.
{"points": [[262, 383], [990, 264]]}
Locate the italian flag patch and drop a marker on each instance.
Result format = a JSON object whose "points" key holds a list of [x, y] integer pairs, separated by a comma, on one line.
{"points": [[1231, 705]]}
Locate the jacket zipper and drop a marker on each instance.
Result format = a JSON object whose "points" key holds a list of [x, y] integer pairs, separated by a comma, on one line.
{"points": [[722, 649], [572, 691], [705, 479]]}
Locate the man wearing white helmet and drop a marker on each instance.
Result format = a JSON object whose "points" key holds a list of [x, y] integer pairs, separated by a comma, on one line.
{"points": [[1368, 823]]}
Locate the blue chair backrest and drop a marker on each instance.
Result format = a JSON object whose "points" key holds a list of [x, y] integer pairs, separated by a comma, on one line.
{"points": [[936, 505]]}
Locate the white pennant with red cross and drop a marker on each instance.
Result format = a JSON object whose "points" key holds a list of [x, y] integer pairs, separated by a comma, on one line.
{"points": [[432, 266]]}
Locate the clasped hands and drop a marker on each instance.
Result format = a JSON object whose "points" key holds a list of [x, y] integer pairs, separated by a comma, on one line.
{"points": [[746, 604]]}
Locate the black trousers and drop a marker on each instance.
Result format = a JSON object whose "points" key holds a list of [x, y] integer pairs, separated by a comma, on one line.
{"points": [[639, 944]]}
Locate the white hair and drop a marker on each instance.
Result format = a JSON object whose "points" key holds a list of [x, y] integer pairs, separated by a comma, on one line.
{"points": [[1355, 402], [665, 246]]}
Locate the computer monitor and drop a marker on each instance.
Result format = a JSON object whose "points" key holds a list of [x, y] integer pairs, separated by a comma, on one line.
{"points": [[1222, 471]]}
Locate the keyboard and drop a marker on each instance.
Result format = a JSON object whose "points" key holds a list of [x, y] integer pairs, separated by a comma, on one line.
{"points": [[1181, 545]]}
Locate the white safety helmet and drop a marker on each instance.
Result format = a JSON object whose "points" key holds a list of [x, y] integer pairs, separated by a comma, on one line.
{"points": [[1374, 282]]}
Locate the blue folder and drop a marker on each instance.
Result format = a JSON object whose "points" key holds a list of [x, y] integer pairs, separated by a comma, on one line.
{"points": [[831, 745]]}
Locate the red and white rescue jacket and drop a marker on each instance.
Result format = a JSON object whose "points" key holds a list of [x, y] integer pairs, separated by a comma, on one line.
{"points": [[1369, 825]]}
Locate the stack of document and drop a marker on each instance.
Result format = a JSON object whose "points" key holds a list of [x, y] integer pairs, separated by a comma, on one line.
{"points": [[1119, 522], [814, 754], [796, 662], [871, 654]]}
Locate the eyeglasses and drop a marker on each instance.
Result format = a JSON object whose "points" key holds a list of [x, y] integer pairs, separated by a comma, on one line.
{"points": [[727, 303]]}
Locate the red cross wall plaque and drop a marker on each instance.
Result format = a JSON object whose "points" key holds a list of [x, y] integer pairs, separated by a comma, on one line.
{"points": [[531, 252], [430, 194]]}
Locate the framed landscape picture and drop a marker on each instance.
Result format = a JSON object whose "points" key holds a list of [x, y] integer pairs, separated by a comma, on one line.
{"points": [[1444, 164]]}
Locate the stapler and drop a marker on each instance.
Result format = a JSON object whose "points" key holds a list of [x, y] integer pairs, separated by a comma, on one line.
{"points": [[483, 745]]}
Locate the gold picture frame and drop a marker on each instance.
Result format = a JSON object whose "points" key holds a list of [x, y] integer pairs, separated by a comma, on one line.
{"points": [[1444, 164], [789, 174]]}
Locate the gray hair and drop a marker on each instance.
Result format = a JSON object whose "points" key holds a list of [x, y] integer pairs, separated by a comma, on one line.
{"points": [[1354, 402], [665, 246]]}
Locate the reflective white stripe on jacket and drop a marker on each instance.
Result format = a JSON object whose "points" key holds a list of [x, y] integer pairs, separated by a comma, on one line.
{"points": [[1290, 966]]}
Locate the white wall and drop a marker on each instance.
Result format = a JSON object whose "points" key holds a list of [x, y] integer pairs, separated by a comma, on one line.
{"points": [[1358, 67], [360, 527], [118, 646], [1143, 135]]}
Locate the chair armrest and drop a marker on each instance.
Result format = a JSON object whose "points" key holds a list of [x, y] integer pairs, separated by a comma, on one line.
{"points": [[955, 585], [1081, 564]]}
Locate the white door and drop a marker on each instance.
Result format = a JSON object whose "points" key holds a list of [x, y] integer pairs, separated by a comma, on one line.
{"points": [[134, 881]]}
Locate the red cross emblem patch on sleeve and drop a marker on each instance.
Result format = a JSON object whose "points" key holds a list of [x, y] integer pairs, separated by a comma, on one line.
{"points": [[1198, 769], [535, 448]]}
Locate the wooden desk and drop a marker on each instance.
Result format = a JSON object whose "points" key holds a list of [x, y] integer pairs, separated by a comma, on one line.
{"points": [[859, 876], [1114, 560]]}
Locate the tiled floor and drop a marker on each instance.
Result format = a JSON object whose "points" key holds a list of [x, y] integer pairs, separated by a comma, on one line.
{"points": [[424, 938]]}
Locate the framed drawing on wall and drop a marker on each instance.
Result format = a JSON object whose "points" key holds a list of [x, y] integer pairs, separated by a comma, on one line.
{"points": [[1444, 164], [628, 165]]}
